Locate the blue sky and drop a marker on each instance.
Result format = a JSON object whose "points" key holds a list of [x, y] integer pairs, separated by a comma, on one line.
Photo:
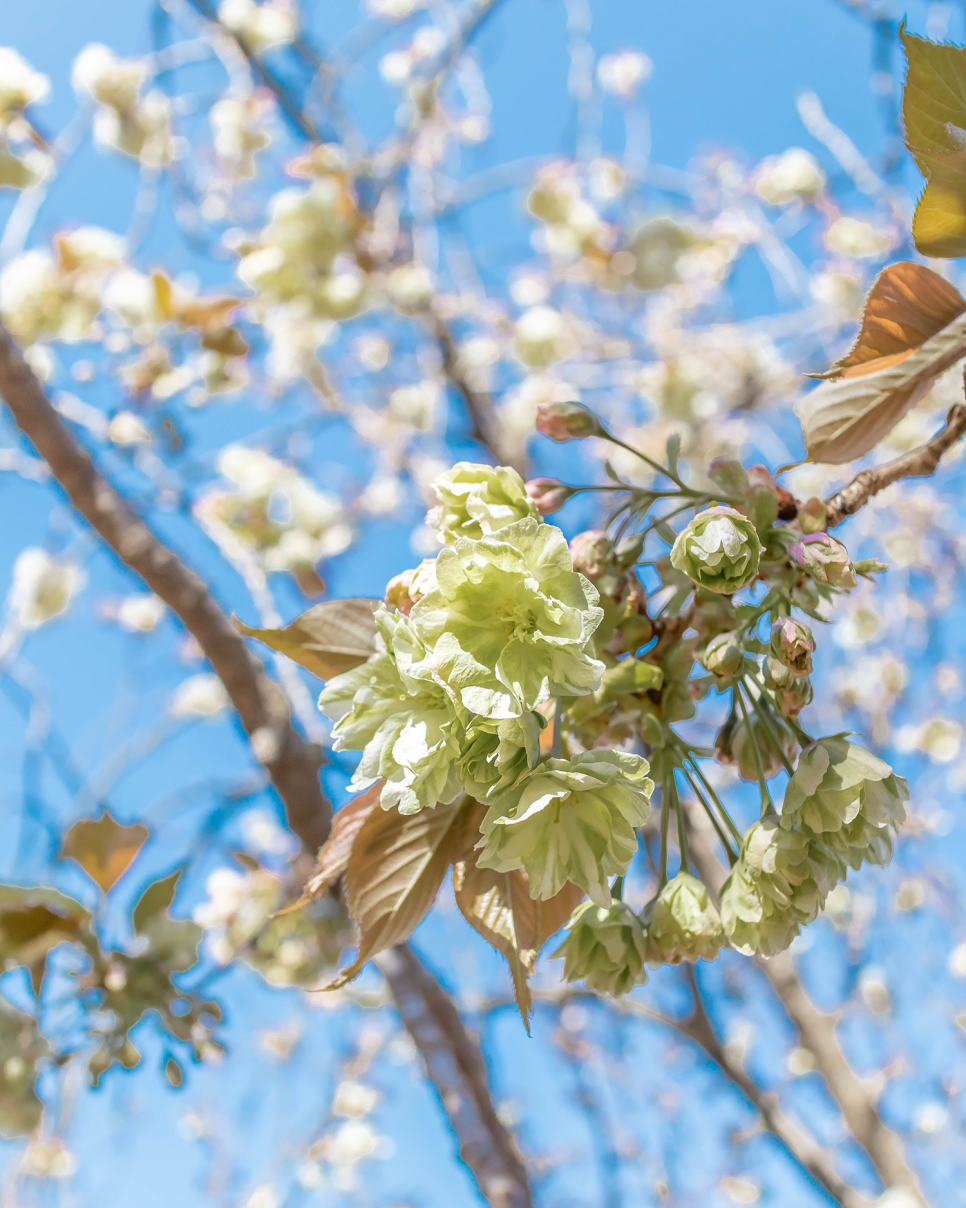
{"points": [[724, 75]]}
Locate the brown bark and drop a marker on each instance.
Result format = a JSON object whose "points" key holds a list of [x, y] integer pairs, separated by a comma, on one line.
{"points": [[452, 1057], [919, 463]]}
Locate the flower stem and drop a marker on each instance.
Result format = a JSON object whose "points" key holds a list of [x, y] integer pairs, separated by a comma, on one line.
{"points": [[706, 805], [682, 834], [665, 817], [766, 722], [767, 806]]}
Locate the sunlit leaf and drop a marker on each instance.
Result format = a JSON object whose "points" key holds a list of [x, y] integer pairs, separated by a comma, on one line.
{"points": [[330, 638], [103, 847], [154, 901], [498, 905], [934, 116], [334, 853], [228, 341], [21, 1046], [32, 921], [903, 347], [907, 305], [394, 872], [939, 223]]}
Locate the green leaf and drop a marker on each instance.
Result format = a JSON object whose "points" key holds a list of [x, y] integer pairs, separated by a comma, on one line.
{"points": [[843, 419], [154, 901], [629, 676], [103, 847], [934, 97], [934, 116], [673, 451], [32, 921], [939, 223], [330, 638], [22, 1047]]}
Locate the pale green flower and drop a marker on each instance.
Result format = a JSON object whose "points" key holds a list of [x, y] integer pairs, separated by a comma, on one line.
{"points": [[605, 948], [477, 500], [408, 730], [682, 924], [496, 754], [510, 623], [570, 820], [836, 782], [779, 883], [719, 550]]}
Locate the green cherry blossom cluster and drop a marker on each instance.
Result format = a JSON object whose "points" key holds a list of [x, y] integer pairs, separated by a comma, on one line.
{"points": [[475, 648], [547, 682]]}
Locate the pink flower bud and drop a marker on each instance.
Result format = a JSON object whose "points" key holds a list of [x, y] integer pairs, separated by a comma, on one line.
{"points": [[826, 560], [592, 553], [548, 494], [567, 421], [405, 590]]}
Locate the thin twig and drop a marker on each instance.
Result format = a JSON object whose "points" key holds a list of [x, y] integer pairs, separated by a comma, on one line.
{"points": [[918, 463], [291, 762]]}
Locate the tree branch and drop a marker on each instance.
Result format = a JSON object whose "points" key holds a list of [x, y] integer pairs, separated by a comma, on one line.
{"points": [[801, 1145], [291, 762], [696, 1027], [486, 425], [455, 1066], [919, 463], [816, 1031], [453, 1060]]}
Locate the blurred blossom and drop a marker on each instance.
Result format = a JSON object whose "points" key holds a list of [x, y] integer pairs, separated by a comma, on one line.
{"points": [[792, 176], [260, 26], [354, 1099], [202, 695], [124, 119], [278, 1043], [48, 1158], [393, 10], [529, 290], [623, 72], [396, 66], [42, 587], [410, 287], [541, 337], [938, 737], [263, 835], [372, 351], [140, 612], [840, 293], [874, 991], [930, 1118], [20, 85], [910, 895], [264, 1197], [350, 1143], [740, 1190], [126, 428], [857, 239], [240, 131], [957, 960], [800, 1062]]}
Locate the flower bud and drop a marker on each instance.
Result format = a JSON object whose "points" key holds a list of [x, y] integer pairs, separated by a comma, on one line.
{"points": [[592, 552], [745, 738], [548, 494], [791, 692], [792, 644], [719, 550], [825, 559], [605, 948], [405, 590], [723, 656], [812, 515], [682, 924], [567, 421]]}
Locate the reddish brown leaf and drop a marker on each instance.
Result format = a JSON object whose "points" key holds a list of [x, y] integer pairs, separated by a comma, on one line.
{"points": [[498, 906], [395, 869], [103, 847], [334, 853]]}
